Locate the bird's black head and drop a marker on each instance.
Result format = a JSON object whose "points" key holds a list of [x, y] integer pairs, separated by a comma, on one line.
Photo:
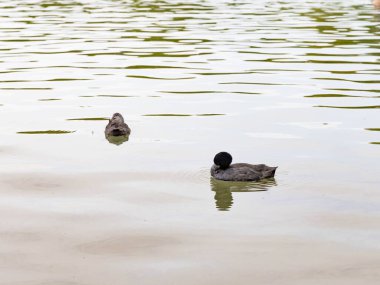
{"points": [[223, 159]]}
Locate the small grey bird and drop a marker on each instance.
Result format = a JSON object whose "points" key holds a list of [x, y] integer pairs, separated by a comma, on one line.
{"points": [[224, 170], [117, 127]]}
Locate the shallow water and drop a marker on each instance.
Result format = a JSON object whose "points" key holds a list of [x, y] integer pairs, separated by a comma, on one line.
{"points": [[288, 83]]}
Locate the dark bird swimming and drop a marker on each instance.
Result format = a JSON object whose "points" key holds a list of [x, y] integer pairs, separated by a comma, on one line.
{"points": [[224, 170], [117, 127]]}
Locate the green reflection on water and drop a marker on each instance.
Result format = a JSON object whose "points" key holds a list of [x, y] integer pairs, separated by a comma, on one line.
{"points": [[350, 107], [21, 40], [211, 92], [50, 99], [89, 119], [147, 54], [207, 115], [68, 79], [348, 80], [49, 132], [47, 4], [15, 81], [26, 88], [158, 78], [255, 83], [355, 90], [152, 67], [223, 73], [329, 95]]}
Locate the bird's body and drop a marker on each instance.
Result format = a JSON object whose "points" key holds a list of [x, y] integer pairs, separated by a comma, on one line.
{"points": [[240, 171], [117, 127]]}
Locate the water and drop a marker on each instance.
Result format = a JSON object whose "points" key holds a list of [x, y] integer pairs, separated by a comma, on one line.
{"points": [[287, 83]]}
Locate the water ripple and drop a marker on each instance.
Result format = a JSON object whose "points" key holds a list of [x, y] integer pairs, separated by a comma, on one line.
{"points": [[63, 50]]}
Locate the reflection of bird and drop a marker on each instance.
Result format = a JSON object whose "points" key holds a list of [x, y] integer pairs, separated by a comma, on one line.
{"points": [[117, 140], [224, 170], [376, 3], [223, 190], [223, 196], [117, 131]]}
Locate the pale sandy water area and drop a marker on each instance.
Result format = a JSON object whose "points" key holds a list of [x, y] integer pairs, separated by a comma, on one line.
{"points": [[289, 83]]}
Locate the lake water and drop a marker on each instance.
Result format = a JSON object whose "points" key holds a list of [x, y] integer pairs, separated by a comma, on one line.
{"points": [[293, 84]]}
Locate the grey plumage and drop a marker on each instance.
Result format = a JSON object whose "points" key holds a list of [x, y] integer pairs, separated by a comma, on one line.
{"points": [[243, 172], [117, 127]]}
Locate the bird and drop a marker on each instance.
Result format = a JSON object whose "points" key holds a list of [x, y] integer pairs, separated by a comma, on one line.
{"points": [[117, 127], [224, 170]]}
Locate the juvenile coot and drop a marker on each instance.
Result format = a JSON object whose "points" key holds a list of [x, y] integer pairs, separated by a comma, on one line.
{"points": [[117, 127]]}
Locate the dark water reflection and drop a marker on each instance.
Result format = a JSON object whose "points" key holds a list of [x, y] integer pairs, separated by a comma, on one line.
{"points": [[224, 189]]}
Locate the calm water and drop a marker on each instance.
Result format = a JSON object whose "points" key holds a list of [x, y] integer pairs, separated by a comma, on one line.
{"points": [[293, 84]]}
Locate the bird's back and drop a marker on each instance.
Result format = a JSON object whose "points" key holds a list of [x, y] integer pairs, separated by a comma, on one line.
{"points": [[117, 129], [244, 172]]}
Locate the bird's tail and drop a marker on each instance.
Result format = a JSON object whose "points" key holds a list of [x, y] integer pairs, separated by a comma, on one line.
{"points": [[270, 172]]}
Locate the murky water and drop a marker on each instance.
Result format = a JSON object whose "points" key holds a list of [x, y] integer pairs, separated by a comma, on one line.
{"points": [[292, 84]]}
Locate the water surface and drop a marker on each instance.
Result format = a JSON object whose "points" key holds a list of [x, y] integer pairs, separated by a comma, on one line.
{"points": [[293, 84]]}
